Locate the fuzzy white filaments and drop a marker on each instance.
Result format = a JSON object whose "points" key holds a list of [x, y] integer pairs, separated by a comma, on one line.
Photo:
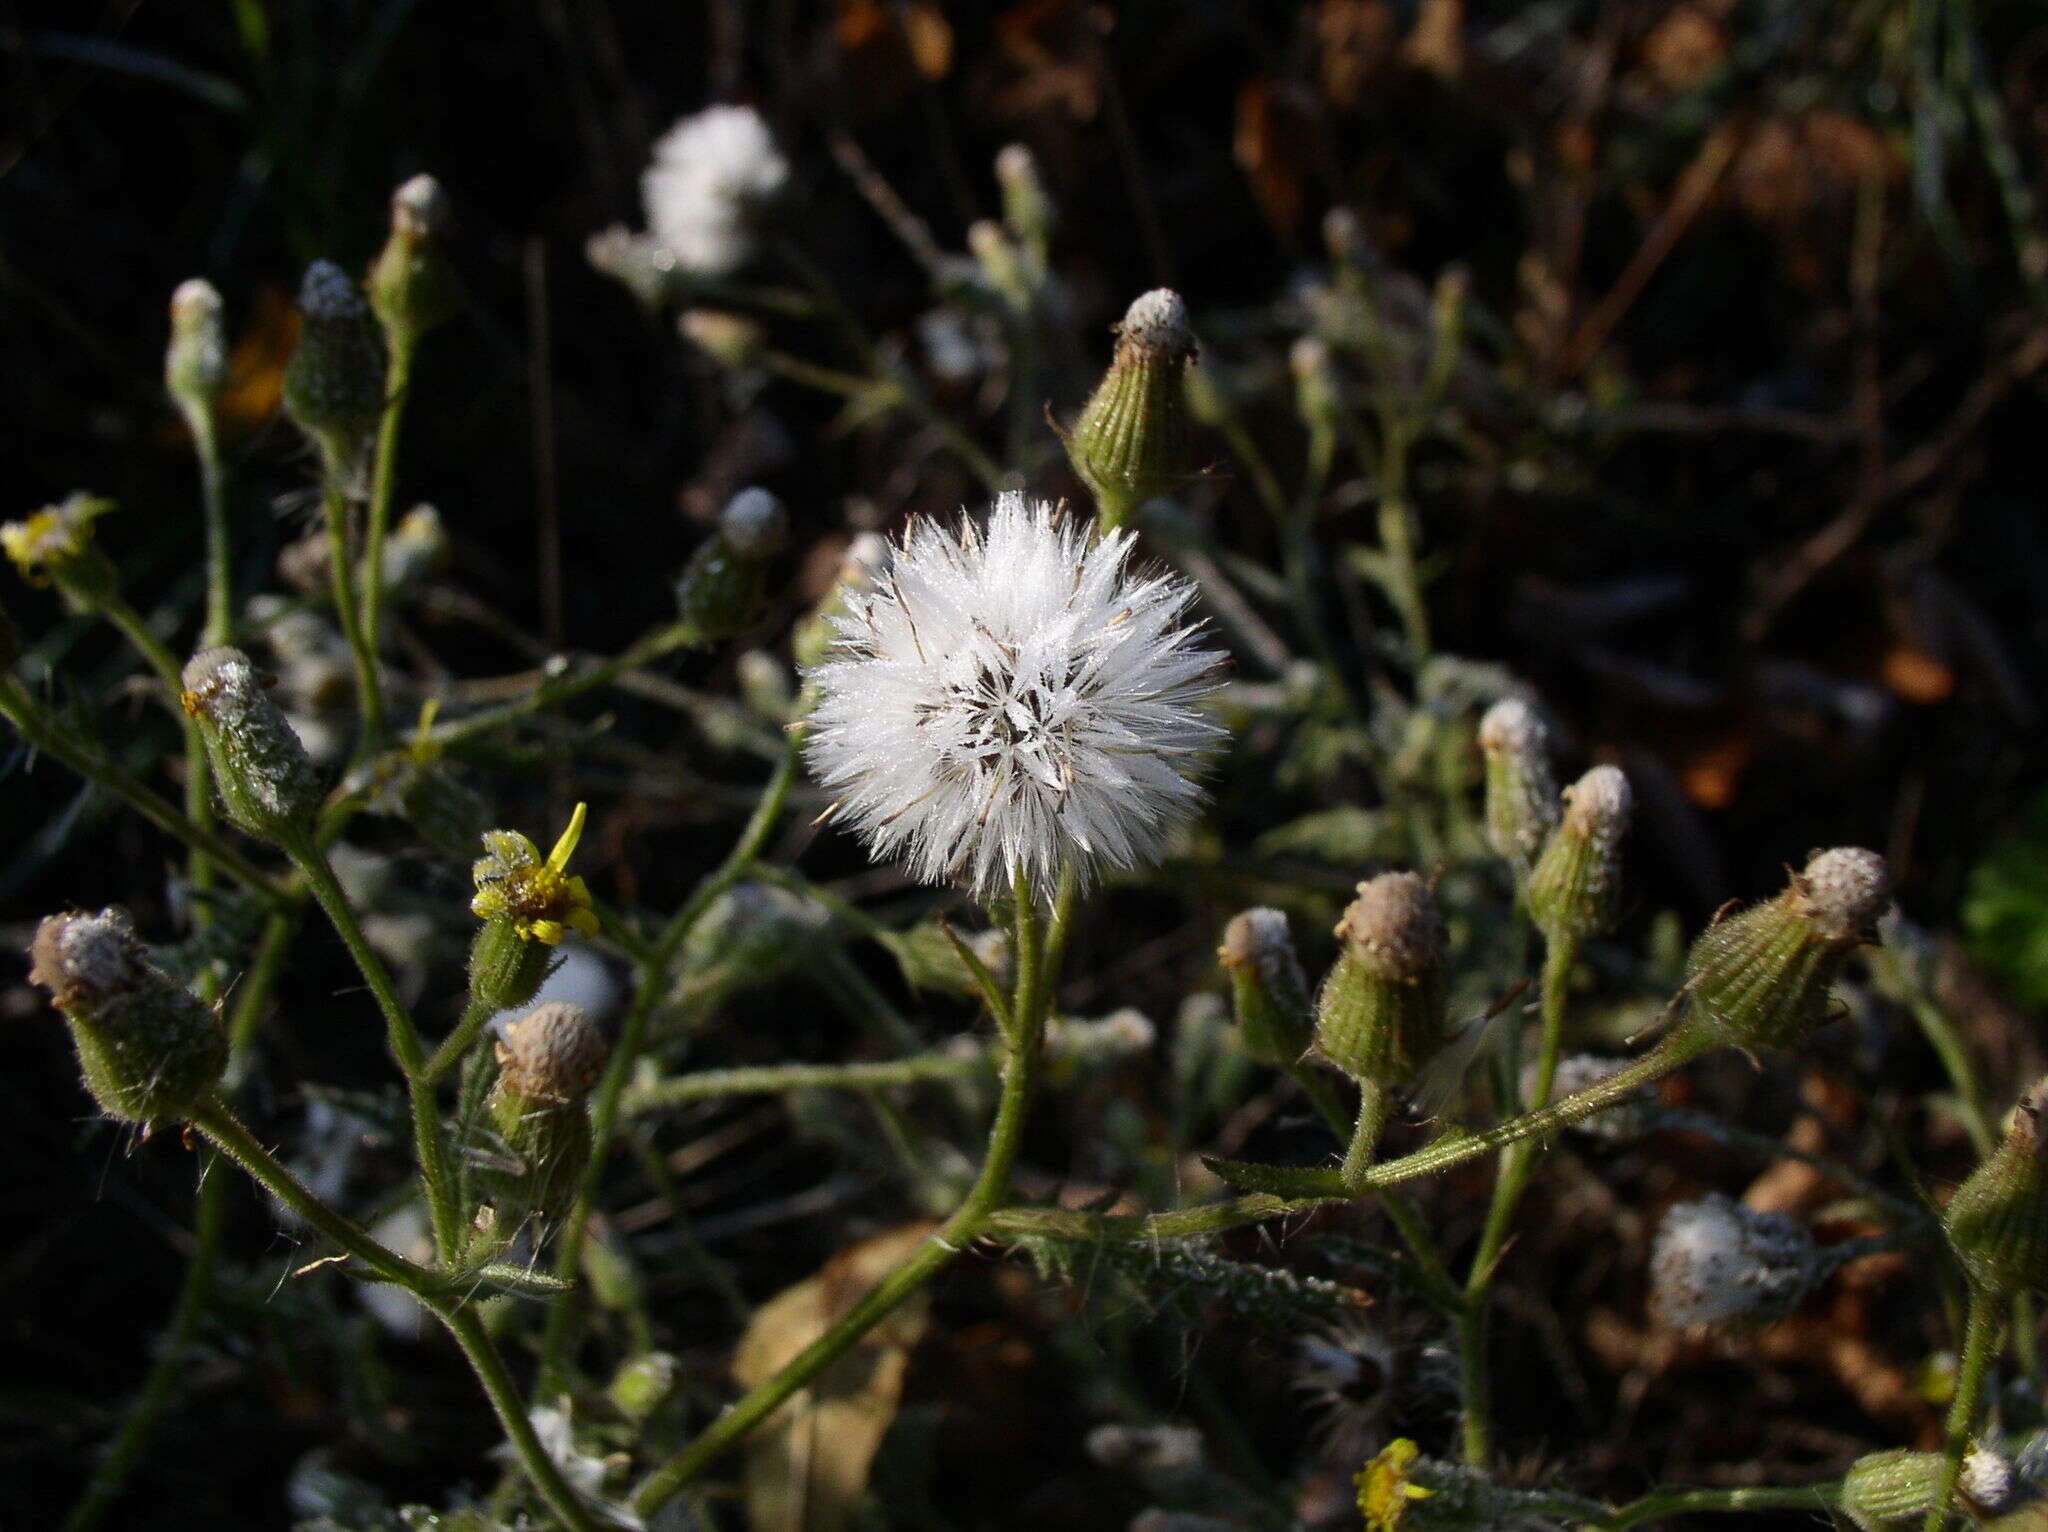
{"points": [[710, 175], [1012, 698]]}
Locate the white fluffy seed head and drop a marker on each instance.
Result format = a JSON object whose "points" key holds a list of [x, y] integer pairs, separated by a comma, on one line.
{"points": [[326, 292], [1987, 1480], [710, 175], [1011, 698], [1717, 1262], [1158, 321], [1598, 805], [1512, 727], [754, 524], [1843, 891]]}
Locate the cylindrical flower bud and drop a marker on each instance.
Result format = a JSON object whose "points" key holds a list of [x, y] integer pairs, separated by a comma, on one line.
{"points": [[411, 286], [1027, 210], [548, 1062], [1575, 888], [149, 1050], [1380, 1017], [1521, 789], [334, 383], [1998, 1219], [1131, 441], [720, 588], [1001, 262], [196, 361], [1268, 991], [1884, 1489], [1761, 978], [1717, 1262], [266, 783], [1317, 397]]}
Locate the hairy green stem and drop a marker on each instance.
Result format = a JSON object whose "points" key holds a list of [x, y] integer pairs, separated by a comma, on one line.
{"points": [[1023, 1051], [383, 474], [1677, 1502], [401, 1037], [1375, 1106], [773, 1080], [341, 577], [1517, 1162], [605, 1103], [1980, 1345]]}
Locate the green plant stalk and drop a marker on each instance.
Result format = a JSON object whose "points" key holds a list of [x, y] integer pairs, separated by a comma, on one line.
{"points": [[1674, 1052], [773, 1080], [213, 1119], [896, 395], [1517, 1163], [401, 1037], [40, 730], [341, 578], [103, 1491], [654, 978], [678, 635], [220, 575], [1980, 1345], [1676, 1502], [383, 475], [1023, 1051], [1375, 1106]]}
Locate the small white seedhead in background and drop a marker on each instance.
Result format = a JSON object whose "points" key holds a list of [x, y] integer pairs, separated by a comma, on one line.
{"points": [[711, 174], [1717, 1262], [1011, 698]]}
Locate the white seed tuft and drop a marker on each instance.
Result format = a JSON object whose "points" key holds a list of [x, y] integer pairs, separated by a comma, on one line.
{"points": [[710, 174]]}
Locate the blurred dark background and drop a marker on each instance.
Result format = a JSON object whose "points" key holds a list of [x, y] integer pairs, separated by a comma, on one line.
{"points": [[1753, 496]]}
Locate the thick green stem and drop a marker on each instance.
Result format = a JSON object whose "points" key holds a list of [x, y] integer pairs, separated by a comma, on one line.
{"points": [[383, 474], [171, 1364], [341, 577], [490, 1371], [1677, 1502], [1516, 1165], [1024, 1048], [654, 982], [1980, 1345], [402, 1038], [213, 1118], [1375, 1106]]}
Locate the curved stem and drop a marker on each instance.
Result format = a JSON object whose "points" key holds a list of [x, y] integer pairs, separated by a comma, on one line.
{"points": [[341, 576], [171, 1364], [402, 1038], [654, 980], [213, 1118], [490, 1371], [383, 473], [1375, 1106], [991, 1188], [1980, 1344], [45, 734], [1516, 1165]]}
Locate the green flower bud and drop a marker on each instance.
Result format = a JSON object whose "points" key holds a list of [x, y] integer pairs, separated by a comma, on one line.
{"points": [[196, 361], [148, 1048], [1317, 394], [1883, 1489], [1268, 991], [334, 383], [720, 588], [1131, 441], [417, 547], [548, 1062], [1998, 1219], [1002, 264], [266, 783], [643, 1384], [1027, 210], [1575, 888], [1381, 1013], [1521, 791], [1761, 979], [411, 286], [731, 340]]}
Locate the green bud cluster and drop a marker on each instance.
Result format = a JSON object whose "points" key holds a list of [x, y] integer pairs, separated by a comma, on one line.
{"points": [[1131, 440], [548, 1063], [412, 288], [267, 784], [720, 588], [1269, 993], [1762, 978], [1997, 1222], [1575, 887], [149, 1050], [334, 383], [1380, 1016]]}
